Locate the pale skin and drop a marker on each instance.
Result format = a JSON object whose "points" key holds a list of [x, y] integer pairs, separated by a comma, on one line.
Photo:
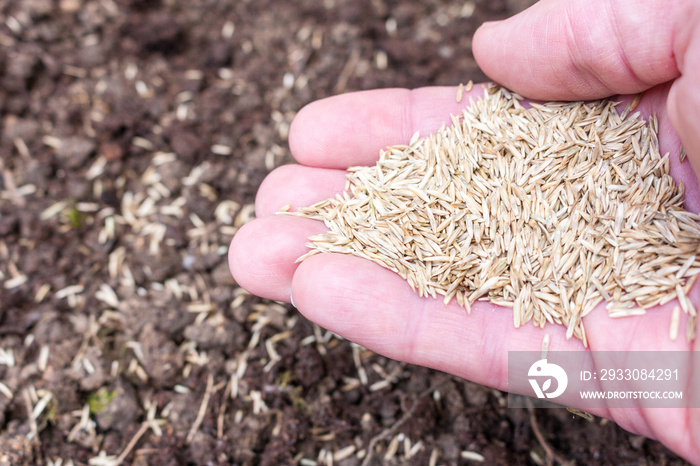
{"points": [[556, 50]]}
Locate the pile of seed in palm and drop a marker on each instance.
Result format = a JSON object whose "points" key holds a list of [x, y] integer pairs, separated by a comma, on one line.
{"points": [[549, 210]]}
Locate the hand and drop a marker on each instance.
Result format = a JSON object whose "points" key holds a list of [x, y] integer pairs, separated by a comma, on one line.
{"points": [[376, 308]]}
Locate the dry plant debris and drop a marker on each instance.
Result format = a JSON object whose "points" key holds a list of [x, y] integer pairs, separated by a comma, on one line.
{"points": [[548, 210]]}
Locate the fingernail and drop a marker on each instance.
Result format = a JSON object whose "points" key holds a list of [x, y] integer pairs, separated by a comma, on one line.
{"points": [[489, 24], [291, 300]]}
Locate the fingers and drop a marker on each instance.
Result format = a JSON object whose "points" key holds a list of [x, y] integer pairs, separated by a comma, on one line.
{"points": [[638, 333], [351, 129], [297, 186], [263, 253], [582, 50], [300, 185], [377, 309], [330, 135]]}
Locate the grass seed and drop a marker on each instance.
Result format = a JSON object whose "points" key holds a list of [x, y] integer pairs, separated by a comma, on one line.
{"points": [[548, 209]]}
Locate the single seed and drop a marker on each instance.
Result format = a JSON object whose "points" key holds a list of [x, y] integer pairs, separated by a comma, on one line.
{"points": [[675, 323]]}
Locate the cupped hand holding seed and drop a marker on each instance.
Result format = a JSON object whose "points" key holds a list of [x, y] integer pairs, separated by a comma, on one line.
{"points": [[586, 51]]}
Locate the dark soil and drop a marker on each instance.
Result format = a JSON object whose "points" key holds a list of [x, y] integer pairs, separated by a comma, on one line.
{"points": [[134, 136]]}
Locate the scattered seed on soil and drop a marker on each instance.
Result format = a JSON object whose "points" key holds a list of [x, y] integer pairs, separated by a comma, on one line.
{"points": [[549, 209]]}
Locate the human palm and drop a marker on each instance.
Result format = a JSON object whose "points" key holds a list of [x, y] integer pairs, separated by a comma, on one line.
{"points": [[377, 309], [555, 50]]}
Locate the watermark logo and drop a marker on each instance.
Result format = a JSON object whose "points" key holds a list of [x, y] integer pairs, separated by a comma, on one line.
{"points": [[542, 369], [590, 380]]}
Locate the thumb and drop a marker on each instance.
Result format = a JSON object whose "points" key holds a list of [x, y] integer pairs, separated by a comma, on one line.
{"points": [[579, 49], [684, 97]]}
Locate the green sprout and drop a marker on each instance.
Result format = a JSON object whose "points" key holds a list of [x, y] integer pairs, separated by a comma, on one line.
{"points": [[99, 400], [74, 217]]}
